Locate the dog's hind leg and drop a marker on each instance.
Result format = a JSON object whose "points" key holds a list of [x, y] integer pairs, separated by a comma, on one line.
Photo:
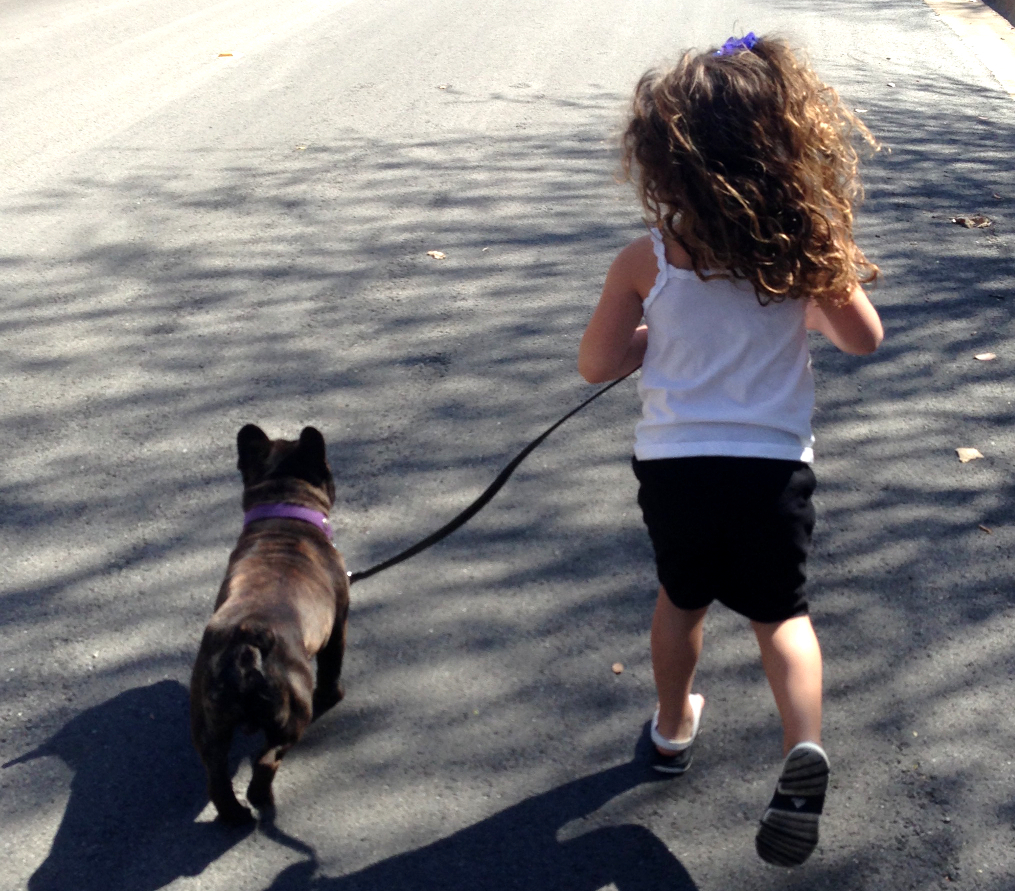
{"points": [[328, 690], [215, 755], [259, 792], [212, 738]]}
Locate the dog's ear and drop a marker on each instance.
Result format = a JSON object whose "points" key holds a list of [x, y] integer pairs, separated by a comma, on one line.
{"points": [[311, 447], [313, 459], [253, 446]]}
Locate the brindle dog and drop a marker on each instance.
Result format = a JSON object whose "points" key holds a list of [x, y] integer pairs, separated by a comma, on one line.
{"points": [[284, 600]]}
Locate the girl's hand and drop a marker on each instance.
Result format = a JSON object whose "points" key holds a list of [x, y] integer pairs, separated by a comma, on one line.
{"points": [[854, 328], [614, 343]]}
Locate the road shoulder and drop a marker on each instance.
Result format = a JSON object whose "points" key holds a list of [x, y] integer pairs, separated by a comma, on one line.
{"points": [[990, 38]]}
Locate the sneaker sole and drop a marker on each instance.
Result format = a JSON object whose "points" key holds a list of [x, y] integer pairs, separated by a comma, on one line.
{"points": [[787, 838], [674, 766]]}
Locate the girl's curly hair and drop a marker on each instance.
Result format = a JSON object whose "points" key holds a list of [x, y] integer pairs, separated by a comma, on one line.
{"points": [[747, 160]]}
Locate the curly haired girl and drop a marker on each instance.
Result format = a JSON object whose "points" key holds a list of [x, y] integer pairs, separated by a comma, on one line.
{"points": [[745, 164]]}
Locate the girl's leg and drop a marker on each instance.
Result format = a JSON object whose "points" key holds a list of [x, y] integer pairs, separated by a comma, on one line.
{"points": [[791, 658], [676, 645]]}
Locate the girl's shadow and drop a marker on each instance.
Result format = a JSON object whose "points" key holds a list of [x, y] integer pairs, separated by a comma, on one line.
{"points": [[518, 848], [137, 789]]}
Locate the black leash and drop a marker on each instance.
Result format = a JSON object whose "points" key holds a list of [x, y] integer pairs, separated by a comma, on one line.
{"points": [[480, 502]]}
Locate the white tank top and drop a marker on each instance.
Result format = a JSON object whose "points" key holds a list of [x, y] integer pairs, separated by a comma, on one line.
{"points": [[723, 375]]}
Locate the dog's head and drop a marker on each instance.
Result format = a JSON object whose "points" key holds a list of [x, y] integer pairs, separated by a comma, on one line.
{"points": [[282, 467]]}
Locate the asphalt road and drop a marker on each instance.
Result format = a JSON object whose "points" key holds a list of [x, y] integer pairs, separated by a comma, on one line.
{"points": [[190, 241]]}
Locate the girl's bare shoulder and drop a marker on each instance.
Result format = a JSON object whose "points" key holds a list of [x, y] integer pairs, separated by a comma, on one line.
{"points": [[636, 265], [676, 256]]}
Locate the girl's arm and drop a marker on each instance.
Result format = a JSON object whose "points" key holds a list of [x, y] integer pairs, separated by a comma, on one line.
{"points": [[614, 343], [854, 328]]}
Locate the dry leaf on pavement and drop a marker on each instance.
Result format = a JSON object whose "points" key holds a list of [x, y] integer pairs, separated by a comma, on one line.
{"points": [[967, 455], [437, 255], [975, 222]]}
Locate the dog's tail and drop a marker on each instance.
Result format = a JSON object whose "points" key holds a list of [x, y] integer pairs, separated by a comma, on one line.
{"points": [[246, 671]]}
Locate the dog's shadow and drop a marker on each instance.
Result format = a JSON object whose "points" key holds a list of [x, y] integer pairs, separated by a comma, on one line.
{"points": [[136, 791], [522, 847]]}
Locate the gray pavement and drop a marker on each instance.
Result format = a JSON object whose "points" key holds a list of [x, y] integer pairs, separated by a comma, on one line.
{"points": [[190, 241]]}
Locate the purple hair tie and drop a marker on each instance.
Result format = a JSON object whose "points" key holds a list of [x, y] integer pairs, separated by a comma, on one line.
{"points": [[737, 45]]}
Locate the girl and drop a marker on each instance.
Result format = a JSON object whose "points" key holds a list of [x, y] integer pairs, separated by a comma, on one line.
{"points": [[744, 164]]}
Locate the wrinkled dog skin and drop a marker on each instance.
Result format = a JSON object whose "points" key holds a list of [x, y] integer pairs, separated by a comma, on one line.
{"points": [[284, 601]]}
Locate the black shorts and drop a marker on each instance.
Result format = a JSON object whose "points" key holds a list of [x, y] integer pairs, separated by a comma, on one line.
{"points": [[736, 530]]}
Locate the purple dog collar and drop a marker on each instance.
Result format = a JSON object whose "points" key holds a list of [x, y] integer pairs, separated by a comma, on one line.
{"points": [[289, 512]]}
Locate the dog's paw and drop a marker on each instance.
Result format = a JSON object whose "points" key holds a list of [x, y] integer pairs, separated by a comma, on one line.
{"points": [[236, 816], [326, 699]]}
